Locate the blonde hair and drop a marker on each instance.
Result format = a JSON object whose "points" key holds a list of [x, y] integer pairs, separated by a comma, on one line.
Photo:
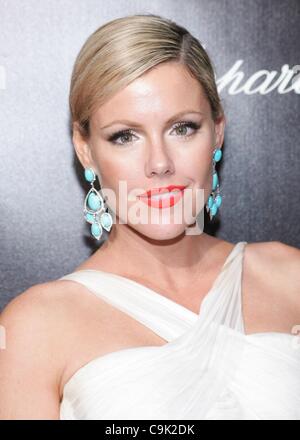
{"points": [[123, 49]]}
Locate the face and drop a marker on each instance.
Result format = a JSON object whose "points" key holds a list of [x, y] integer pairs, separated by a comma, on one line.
{"points": [[156, 132]]}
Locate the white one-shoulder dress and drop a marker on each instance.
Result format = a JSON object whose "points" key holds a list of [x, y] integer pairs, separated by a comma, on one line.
{"points": [[208, 368]]}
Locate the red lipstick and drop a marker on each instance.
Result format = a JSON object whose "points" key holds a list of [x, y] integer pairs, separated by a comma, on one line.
{"points": [[163, 197]]}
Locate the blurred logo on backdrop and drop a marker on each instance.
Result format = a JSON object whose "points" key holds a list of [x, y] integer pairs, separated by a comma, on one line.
{"points": [[263, 81]]}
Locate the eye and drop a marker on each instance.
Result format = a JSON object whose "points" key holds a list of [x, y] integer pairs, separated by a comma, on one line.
{"points": [[122, 134], [127, 134], [182, 127]]}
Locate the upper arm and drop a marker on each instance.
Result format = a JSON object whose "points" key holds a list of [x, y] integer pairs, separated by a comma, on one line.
{"points": [[29, 367]]}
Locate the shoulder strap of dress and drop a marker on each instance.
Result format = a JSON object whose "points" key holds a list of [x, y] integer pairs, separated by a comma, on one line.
{"points": [[224, 303], [165, 317]]}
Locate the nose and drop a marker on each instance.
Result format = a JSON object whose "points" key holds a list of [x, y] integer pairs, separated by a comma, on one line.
{"points": [[159, 162]]}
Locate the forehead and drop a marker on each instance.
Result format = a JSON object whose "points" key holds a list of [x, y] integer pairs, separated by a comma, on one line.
{"points": [[162, 91]]}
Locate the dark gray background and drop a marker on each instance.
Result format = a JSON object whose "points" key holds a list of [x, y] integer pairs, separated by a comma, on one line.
{"points": [[43, 233]]}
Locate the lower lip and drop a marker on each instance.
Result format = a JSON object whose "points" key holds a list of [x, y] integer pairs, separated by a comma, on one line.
{"points": [[166, 202]]}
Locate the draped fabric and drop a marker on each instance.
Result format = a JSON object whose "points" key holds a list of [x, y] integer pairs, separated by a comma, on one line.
{"points": [[207, 369]]}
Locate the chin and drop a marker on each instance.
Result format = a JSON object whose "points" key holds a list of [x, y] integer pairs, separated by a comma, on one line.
{"points": [[160, 231]]}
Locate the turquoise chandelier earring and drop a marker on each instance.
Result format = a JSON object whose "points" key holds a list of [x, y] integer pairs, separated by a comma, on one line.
{"points": [[94, 210], [215, 199]]}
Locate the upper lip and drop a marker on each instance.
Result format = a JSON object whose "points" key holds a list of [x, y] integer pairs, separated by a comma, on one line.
{"points": [[161, 190]]}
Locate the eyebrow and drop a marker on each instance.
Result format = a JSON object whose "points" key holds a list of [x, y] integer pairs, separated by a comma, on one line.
{"points": [[135, 124]]}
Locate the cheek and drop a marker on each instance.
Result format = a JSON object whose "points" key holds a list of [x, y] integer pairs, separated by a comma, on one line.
{"points": [[117, 179], [111, 171], [198, 166]]}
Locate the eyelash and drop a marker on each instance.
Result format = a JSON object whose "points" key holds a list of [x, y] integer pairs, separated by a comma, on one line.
{"points": [[190, 124]]}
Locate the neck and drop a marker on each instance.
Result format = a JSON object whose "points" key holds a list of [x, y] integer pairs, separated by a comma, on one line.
{"points": [[173, 261]]}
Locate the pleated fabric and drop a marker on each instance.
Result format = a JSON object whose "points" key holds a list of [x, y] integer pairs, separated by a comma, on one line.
{"points": [[208, 368]]}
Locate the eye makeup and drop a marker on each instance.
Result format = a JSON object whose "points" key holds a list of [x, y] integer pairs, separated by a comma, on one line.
{"points": [[129, 132]]}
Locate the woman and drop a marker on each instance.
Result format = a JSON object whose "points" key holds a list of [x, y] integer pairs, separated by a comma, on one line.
{"points": [[163, 321]]}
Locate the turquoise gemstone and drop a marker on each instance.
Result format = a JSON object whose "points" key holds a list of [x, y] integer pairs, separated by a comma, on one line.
{"points": [[94, 202], [218, 200], [210, 202], [96, 230], [214, 209], [106, 221], [89, 174], [89, 217], [215, 181], [218, 155]]}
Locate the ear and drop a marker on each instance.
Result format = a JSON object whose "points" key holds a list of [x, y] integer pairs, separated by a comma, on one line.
{"points": [[219, 130], [82, 148]]}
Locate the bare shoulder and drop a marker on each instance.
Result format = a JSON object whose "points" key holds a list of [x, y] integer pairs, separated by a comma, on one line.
{"points": [[278, 262], [272, 285], [32, 360], [39, 304], [41, 313]]}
